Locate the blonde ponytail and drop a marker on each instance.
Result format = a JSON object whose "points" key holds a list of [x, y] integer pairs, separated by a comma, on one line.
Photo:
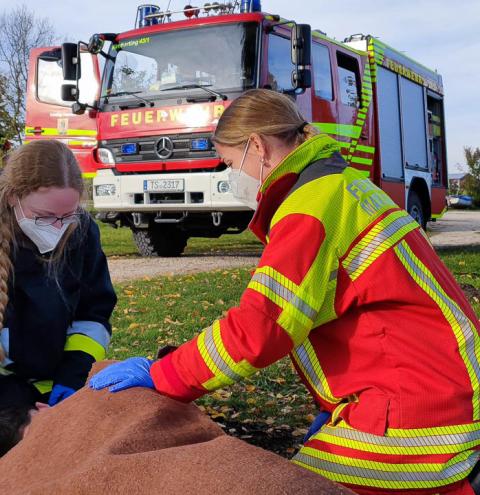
{"points": [[264, 112]]}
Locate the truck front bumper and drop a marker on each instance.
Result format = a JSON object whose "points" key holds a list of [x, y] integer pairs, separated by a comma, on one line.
{"points": [[202, 191]]}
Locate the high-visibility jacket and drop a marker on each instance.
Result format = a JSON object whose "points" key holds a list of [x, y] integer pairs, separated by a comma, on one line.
{"points": [[57, 324], [376, 326]]}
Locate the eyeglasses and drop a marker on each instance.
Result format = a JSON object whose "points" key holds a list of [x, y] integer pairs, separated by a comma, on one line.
{"points": [[65, 220]]}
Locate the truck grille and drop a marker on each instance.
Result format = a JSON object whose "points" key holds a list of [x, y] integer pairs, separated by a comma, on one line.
{"points": [[161, 148]]}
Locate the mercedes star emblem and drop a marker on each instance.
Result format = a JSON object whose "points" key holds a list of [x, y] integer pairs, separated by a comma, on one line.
{"points": [[165, 148]]}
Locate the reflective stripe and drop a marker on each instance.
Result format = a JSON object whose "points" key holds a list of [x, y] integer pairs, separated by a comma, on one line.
{"points": [[298, 315], [43, 386], [286, 294], [439, 215], [381, 237], [306, 359], [338, 129], [77, 342], [89, 175], [84, 144], [218, 361], [53, 131], [92, 329], [418, 441], [465, 332], [361, 160], [366, 149], [387, 475]]}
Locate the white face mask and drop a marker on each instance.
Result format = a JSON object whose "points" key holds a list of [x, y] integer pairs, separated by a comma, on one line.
{"points": [[45, 237], [244, 187]]}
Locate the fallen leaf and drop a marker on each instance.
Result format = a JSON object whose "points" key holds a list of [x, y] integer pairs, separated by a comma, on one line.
{"points": [[299, 432]]}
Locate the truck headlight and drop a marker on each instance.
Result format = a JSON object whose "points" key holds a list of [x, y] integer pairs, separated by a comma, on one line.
{"points": [[223, 186], [105, 156], [105, 190]]}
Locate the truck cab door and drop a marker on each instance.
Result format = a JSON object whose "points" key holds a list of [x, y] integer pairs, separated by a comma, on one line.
{"points": [[49, 117], [353, 90]]}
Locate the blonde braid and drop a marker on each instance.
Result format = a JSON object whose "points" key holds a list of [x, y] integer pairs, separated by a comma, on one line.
{"points": [[5, 265]]}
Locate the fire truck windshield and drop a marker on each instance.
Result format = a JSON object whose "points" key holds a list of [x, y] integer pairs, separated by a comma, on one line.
{"points": [[158, 66]]}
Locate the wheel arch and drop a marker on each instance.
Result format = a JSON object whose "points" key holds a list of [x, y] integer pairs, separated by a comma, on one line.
{"points": [[419, 186]]}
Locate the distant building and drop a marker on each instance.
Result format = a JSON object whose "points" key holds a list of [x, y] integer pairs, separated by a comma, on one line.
{"points": [[456, 182]]}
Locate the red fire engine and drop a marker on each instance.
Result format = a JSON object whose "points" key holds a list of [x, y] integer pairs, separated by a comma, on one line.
{"points": [[145, 104]]}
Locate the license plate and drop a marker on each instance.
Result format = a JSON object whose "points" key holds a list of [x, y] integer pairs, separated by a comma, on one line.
{"points": [[164, 185]]}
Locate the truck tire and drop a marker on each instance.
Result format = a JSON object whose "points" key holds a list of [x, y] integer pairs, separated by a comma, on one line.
{"points": [[157, 241], [416, 210]]}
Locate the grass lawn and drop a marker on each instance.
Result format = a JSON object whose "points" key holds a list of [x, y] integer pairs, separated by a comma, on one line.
{"points": [[272, 408], [119, 243]]}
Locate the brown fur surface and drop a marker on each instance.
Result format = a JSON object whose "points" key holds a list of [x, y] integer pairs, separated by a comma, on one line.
{"points": [[139, 442]]}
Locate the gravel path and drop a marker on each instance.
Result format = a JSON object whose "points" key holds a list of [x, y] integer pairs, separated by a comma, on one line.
{"points": [[122, 270], [457, 228]]}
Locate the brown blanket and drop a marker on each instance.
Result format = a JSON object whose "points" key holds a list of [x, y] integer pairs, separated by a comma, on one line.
{"points": [[138, 442]]}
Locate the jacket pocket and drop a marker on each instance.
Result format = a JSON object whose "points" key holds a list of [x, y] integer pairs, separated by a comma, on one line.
{"points": [[368, 413]]}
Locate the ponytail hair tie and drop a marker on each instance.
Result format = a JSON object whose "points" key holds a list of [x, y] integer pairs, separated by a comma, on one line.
{"points": [[301, 128]]}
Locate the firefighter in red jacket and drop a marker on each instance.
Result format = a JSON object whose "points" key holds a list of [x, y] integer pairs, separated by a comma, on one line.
{"points": [[349, 286]]}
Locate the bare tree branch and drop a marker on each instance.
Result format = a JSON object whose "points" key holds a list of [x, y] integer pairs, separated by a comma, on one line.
{"points": [[20, 31]]}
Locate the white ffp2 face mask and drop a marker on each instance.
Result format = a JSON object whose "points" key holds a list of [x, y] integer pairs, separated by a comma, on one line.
{"points": [[45, 237], [244, 187]]}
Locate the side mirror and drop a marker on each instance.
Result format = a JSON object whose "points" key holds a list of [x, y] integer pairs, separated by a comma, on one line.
{"points": [[301, 44], [78, 108], [302, 79], [95, 44], [301, 56], [69, 92], [70, 62]]}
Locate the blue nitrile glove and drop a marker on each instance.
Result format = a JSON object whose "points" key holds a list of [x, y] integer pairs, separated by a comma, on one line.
{"points": [[58, 393], [318, 422], [133, 372]]}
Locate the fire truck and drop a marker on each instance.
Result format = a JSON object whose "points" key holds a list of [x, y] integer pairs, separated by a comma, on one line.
{"points": [[138, 109]]}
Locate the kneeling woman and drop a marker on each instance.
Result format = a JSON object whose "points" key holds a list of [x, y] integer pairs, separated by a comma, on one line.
{"points": [[56, 297], [349, 286]]}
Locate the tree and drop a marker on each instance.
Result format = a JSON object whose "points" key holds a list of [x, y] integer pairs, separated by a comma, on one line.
{"points": [[6, 131], [472, 185], [20, 31]]}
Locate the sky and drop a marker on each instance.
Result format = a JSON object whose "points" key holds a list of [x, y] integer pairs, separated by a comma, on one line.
{"points": [[441, 34]]}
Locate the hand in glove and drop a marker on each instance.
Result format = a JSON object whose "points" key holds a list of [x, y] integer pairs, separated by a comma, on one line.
{"points": [[133, 372], [58, 393]]}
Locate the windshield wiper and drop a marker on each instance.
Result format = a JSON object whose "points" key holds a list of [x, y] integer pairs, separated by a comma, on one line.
{"points": [[205, 87], [130, 93]]}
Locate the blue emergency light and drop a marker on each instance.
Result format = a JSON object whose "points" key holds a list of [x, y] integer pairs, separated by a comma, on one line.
{"points": [[143, 11], [200, 144], [250, 6], [129, 149]]}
